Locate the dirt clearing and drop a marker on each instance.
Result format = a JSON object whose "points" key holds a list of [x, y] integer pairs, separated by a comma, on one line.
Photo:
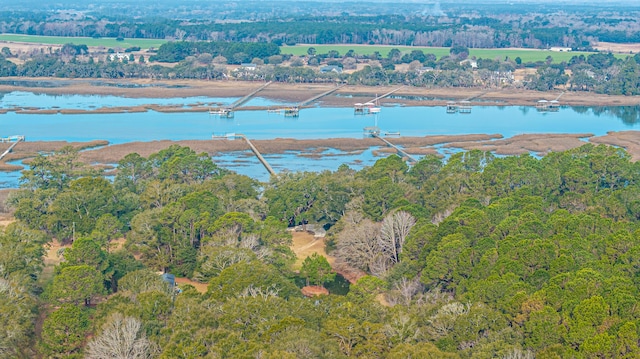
{"points": [[305, 245]]}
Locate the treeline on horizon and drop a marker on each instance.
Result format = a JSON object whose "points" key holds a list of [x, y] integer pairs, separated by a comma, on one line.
{"points": [[472, 25], [473, 257]]}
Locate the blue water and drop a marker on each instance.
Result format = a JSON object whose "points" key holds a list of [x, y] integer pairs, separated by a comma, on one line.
{"points": [[313, 123], [10, 179], [23, 99], [420, 121], [246, 162]]}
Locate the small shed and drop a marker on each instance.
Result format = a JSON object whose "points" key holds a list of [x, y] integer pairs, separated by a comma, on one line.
{"points": [[248, 66]]}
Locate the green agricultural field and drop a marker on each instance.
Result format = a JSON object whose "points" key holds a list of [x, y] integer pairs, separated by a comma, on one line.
{"points": [[89, 41], [525, 54]]}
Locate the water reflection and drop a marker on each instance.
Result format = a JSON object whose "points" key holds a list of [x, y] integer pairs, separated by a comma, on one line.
{"points": [[629, 115], [525, 109]]}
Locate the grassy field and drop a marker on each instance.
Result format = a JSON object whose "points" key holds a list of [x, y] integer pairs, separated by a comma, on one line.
{"points": [[89, 41], [525, 54]]}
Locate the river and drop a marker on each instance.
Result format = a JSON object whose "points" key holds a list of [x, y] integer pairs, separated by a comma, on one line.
{"points": [[313, 123]]}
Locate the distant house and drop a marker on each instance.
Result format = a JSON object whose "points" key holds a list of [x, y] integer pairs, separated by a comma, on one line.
{"points": [[247, 71], [331, 68], [560, 49], [424, 69], [248, 66], [118, 56], [505, 77], [472, 63]]}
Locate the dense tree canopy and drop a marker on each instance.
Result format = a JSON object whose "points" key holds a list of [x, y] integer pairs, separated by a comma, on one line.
{"points": [[474, 256]]}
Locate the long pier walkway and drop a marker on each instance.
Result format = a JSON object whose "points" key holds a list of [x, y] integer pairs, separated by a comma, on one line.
{"points": [[400, 150], [10, 139], [387, 94], [314, 98], [253, 148], [243, 100], [474, 97]]}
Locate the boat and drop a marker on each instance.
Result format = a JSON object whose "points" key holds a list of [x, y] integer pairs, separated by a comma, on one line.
{"points": [[223, 112], [392, 133], [373, 107], [291, 111]]}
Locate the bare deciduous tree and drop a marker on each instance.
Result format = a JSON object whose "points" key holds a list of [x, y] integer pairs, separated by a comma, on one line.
{"points": [[358, 244], [264, 293], [121, 338], [372, 246], [402, 328], [517, 353], [441, 323], [393, 232], [380, 264], [404, 291]]}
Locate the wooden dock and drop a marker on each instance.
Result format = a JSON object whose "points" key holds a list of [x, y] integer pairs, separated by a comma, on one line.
{"points": [[549, 106], [371, 107], [314, 98], [410, 158], [227, 111], [17, 140], [253, 149], [222, 112], [385, 95], [463, 106], [244, 100], [294, 110]]}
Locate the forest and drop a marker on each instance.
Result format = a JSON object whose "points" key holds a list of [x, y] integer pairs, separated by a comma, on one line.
{"points": [[477, 256], [483, 24]]}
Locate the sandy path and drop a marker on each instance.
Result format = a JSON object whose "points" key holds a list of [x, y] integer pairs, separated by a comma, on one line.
{"points": [[51, 259], [6, 222]]}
